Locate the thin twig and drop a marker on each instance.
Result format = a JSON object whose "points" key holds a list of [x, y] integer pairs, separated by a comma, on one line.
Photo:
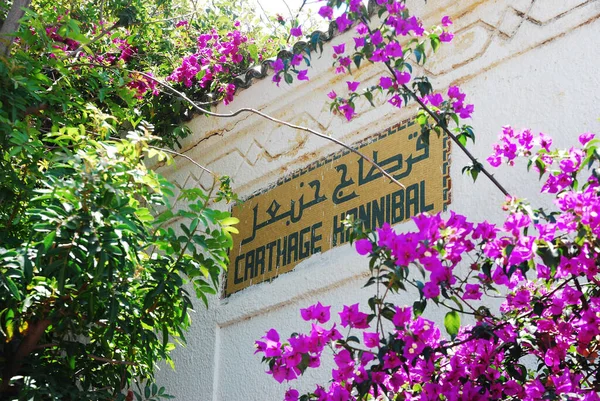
{"points": [[111, 361], [95, 39], [275, 120], [185, 157], [287, 40], [267, 16], [454, 139]]}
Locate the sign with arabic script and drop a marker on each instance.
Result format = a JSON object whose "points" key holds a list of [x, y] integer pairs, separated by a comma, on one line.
{"points": [[302, 213]]}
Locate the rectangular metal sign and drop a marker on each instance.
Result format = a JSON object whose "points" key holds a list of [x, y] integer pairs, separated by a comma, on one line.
{"points": [[302, 214]]}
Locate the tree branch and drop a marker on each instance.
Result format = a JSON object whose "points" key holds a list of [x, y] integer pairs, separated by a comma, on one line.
{"points": [[11, 25], [185, 157], [111, 361], [442, 126], [275, 120]]}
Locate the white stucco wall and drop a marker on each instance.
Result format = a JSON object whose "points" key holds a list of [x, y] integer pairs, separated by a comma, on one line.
{"points": [[527, 63]]}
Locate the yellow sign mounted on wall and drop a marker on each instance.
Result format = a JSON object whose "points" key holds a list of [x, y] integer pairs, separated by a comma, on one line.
{"points": [[302, 214]]}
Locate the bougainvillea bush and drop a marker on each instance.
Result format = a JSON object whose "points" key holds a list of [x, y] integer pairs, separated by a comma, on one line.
{"points": [[541, 343]]}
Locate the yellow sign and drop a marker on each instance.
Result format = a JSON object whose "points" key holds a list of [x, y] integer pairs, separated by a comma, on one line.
{"points": [[302, 214]]}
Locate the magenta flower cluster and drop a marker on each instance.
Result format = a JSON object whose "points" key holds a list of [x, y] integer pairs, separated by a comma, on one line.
{"points": [[209, 68], [383, 45], [542, 344], [455, 102]]}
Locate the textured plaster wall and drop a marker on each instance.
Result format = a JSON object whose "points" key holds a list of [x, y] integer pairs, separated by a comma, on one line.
{"points": [[527, 63]]}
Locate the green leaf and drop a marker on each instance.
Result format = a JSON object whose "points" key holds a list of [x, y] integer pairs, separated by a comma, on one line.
{"points": [[419, 307], [253, 50], [12, 287], [48, 240], [229, 221], [452, 323]]}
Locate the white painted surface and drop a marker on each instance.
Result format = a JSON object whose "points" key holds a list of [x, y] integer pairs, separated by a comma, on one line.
{"points": [[525, 63]]}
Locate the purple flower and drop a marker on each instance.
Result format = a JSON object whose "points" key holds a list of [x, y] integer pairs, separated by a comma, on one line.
{"points": [[544, 141], [371, 340], [362, 29], [348, 111], [302, 75], [297, 60], [291, 395], [585, 138], [385, 82], [359, 42], [455, 93], [393, 49], [431, 290], [446, 36], [343, 22], [326, 12], [352, 85], [339, 49], [364, 246], [278, 65], [379, 55], [296, 31], [350, 316], [446, 21], [402, 77], [332, 95], [435, 100], [402, 316], [472, 291], [376, 38], [395, 100], [316, 312]]}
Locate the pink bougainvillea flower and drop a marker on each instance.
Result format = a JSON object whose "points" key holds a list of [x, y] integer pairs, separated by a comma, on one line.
{"points": [[350, 316], [296, 60], [291, 395], [359, 42], [302, 75], [431, 290], [585, 138], [343, 22], [402, 316], [364, 246], [393, 49], [396, 101], [326, 12], [339, 49], [544, 141], [435, 100], [376, 37], [332, 95], [455, 93], [348, 111], [472, 291], [446, 21], [296, 31], [316, 312], [371, 340], [403, 77], [386, 82], [362, 29], [278, 65], [352, 85], [446, 37]]}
